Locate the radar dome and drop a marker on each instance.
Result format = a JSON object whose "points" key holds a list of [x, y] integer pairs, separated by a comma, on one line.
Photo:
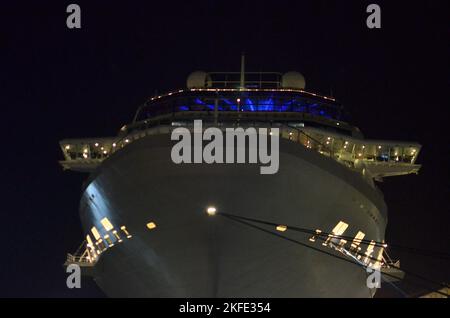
{"points": [[199, 79], [293, 80]]}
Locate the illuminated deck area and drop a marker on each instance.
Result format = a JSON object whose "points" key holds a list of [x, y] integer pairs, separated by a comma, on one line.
{"points": [[375, 157], [271, 100]]}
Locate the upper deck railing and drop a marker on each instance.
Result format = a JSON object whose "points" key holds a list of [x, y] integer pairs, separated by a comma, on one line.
{"points": [[226, 104], [375, 159], [252, 79], [247, 99]]}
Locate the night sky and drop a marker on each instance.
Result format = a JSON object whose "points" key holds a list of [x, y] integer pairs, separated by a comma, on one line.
{"points": [[59, 83]]}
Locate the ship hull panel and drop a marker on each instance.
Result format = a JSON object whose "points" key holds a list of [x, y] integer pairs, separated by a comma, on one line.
{"points": [[191, 254]]}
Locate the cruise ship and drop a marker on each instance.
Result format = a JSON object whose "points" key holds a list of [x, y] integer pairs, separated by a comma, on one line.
{"points": [[154, 228]]}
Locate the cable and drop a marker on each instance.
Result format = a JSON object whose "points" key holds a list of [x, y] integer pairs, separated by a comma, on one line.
{"points": [[362, 241], [400, 291], [338, 236], [237, 219]]}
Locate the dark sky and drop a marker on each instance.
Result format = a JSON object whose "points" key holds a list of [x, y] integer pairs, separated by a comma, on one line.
{"points": [[58, 83]]}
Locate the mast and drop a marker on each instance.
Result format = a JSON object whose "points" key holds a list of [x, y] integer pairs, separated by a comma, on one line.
{"points": [[242, 84]]}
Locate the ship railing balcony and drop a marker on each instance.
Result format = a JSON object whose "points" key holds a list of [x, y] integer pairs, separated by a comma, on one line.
{"points": [[82, 260], [379, 158], [252, 79], [85, 258], [372, 256], [374, 159], [226, 102], [84, 155]]}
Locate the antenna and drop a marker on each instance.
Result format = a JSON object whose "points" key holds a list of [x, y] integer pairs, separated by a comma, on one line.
{"points": [[242, 71]]}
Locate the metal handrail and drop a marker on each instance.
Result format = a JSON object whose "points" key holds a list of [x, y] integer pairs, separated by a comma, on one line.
{"points": [[121, 142], [78, 259], [299, 131], [328, 105]]}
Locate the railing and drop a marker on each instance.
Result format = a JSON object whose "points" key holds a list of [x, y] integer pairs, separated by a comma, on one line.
{"points": [[80, 259], [226, 101], [381, 158], [311, 142], [87, 258]]}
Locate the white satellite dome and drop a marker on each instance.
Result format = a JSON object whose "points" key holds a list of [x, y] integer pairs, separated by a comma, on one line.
{"points": [[293, 80], [198, 79]]}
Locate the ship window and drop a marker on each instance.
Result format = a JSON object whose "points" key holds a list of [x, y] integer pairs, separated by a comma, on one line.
{"points": [[106, 224], [357, 240], [95, 232], [89, 241], [340, 228], [281, 228]]}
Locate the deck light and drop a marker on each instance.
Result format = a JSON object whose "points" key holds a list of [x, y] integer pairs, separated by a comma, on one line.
{"points": [[106, 224], [151, 225], [108, 240], [124, 229], [211, 211], [313, 238], [117, 236], [95, 232]]}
